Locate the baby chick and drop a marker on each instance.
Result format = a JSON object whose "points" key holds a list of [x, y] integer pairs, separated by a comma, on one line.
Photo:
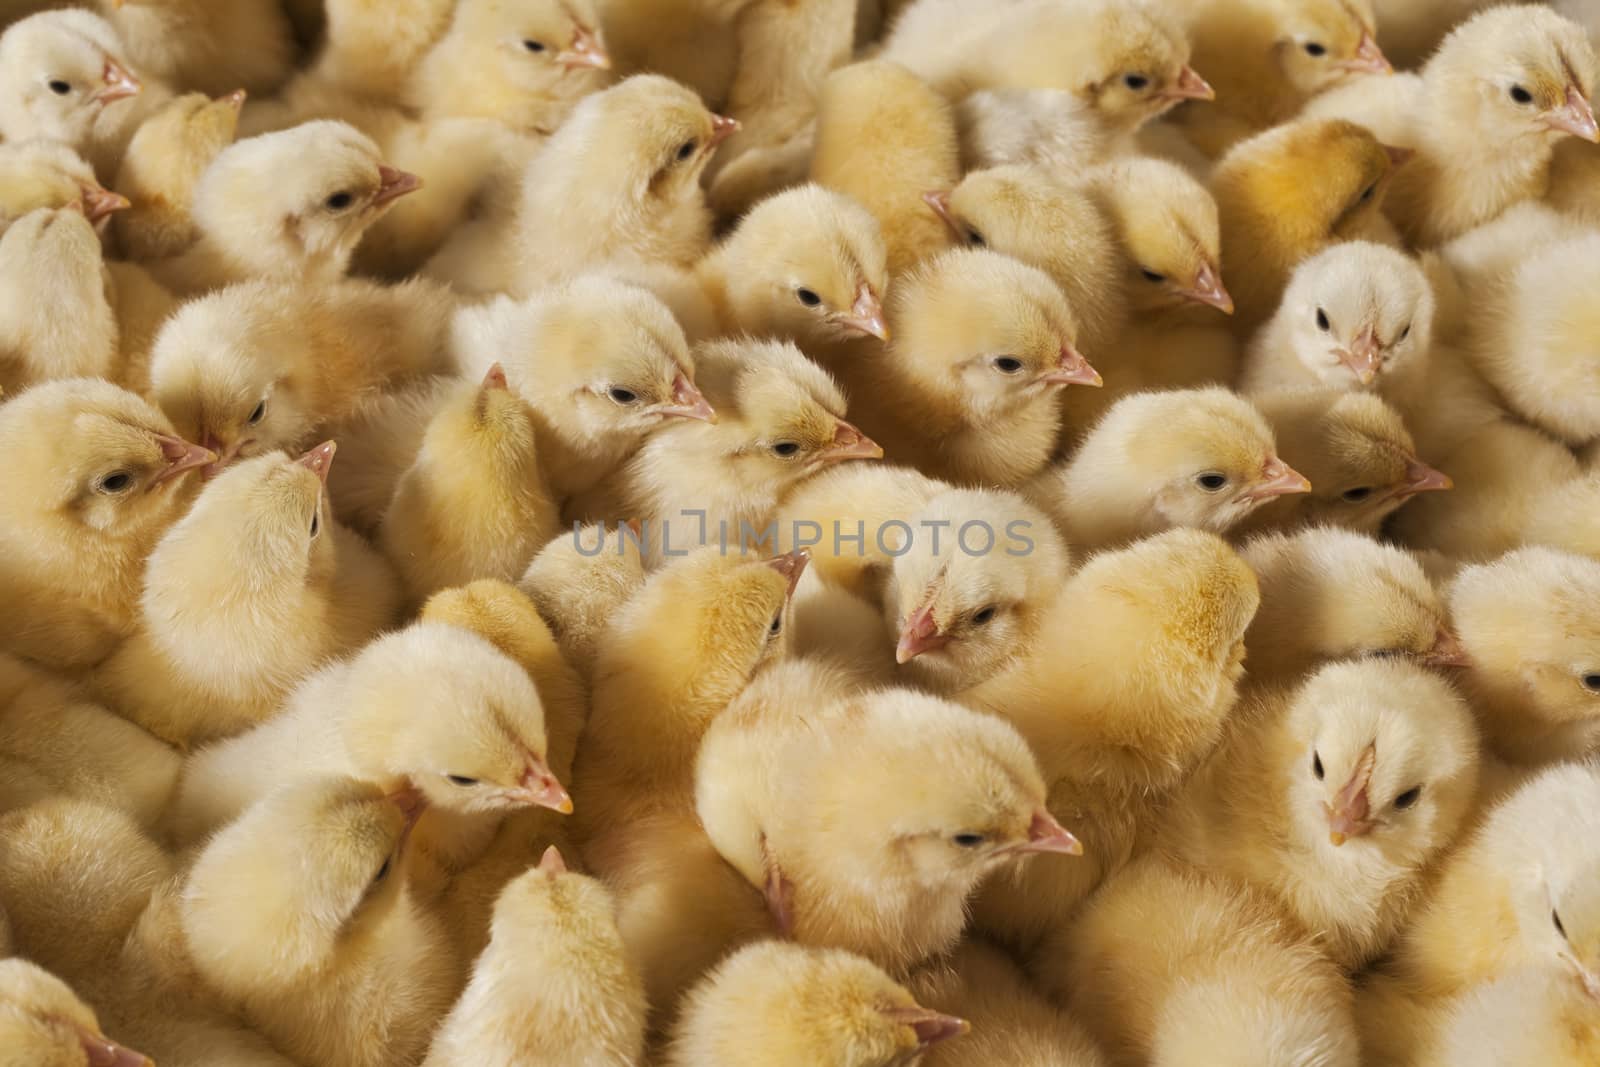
{"points": [[578, 583], [549, 924], [1357, 453], [1531, 635], [1286, 194], [162, 167], [1527, 1017], [969, 389], [44, 1024], [94, 479], [300, 916], [48, 174], [473, 504], [1199, 457], [1355, 782], [795, 1007], [286, 205], [372, 52], [195, 45], [1352, 316], [243, 597], [56, 320]]}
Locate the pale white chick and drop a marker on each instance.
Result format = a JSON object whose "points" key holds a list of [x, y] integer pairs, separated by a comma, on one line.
{"points": [[1529, 1016], [45, 173], [212, 48], [43, 1023], [56, 317]]}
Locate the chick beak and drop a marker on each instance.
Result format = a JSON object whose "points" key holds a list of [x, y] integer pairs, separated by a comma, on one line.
{"points": [[1364, 357], [1047, 835], [120, 83], [687, 403], [1278, 479], [1369, 59], [1421, 478], [586, 51], [930, 1026], [1190, 86], [495, 378], [541, 789], [791, 565], [393, 184], [99, 203], [551, 862], [850, 443], [1209, 290], [319, 460], [1348, 816], [410, 800], [939, 201], [866, 315], [1398, 157], [1447, 651], [722, 128], [235, 99], [1575, 116], [103, 1052], [1072, 369], [919, 634], [181, 458]]}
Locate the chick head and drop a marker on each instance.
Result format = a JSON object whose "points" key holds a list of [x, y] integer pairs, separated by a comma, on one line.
{"points": [[989, 332], [58, 72], [190, 131], [44, 1024], [660, 130], [803, 1006], [1324, 42], [966, 595], [809, 265], [440, 709], [48, 174], [1356, 312], [488, 422], [1168, 230], [1384, 756], [563, 924], [1197, 457], [1518, 74], [307, 870], [542, 49], [301, 196], [88, 455]]}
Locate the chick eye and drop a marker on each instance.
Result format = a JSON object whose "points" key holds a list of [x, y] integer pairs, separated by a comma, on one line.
{"points": [[686, 150], [257, 413], [776, 627], [339, 201], [1152, 276], [116, 482], [983, 616], [785, 449], [808, 298], [1368, 193], [621, 395], [1007, 364], [1518, 93], [59, 87], [1315, 49], [1212, 481], [1591, 682], [1316, 765], [1408, 798], [1405, 332], [975, 238], [461, 780], [383, 872], [1322, 321], [1356, 496], [533, 46], [316, 523], [969, 840], [1136, 82], [1555, 917]]}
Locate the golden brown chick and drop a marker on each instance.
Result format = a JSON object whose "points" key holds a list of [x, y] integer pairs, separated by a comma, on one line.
{"points": [[579, 582], [199, 46], [161, 170], [56, 317], [1197, 457], [1286, 194], [43, 1023], [94, 479], [795, 1006], [473, 504]]}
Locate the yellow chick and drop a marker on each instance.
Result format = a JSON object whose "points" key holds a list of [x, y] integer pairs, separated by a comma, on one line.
{"points": [[1176, 968], [1355, 450], [847, 857], [602, 364], [1410, 30], [199, 46], [1530, 1017], [94, 479], [885, 138], [1335, 799], [48, 174], [1353, 316], [555, 985], [56, 320], [300, 916], [473, 504], [1484, 118], [286, 205], [44, 1024], [794, 1006], [1531, 639], [373, 52], [1567, 517], [247, 594], [1286, 194], [579, 582], [1115, 738], [969, 389], [266, 365], [162, 167], [1198, 457]]}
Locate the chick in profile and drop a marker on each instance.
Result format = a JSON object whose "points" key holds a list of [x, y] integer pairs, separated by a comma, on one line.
{"points": [[1527, 1017], [267, 365], [94, 480], [473, 504], [300, 916], [287, 205], [1200, 457], [48, 174], [1355, 450], [550, 925], [1532, 636], [161, 170], [579, 582], [198, 46], [800, 1006], [1286, 194], [1355, 316], [969, 389], [44, 1024], [247, 594], [56, 318], [1335, 799]]}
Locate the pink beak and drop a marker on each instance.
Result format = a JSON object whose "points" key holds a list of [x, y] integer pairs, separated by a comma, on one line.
{"points": [[319, 460], [1398, 157], [1349, 815], [866, 315], [930, 1026], [1047, 835], [98, 203], [586, 51], [236, 99], [1447, 651], [181, 458], [1421, 478], [850, 443], [411, 802], [551, 862], [722, 128], [1364, 357], [393, 184], [919, 634], [1072, 369], [687, 402], [791, 565], [1278, 479], [1575, 117], [120, 83], [103, 1052], [940, 203], [495, 378], [1190, 86], [1369, 59], [540, 788], [1209, 290]]}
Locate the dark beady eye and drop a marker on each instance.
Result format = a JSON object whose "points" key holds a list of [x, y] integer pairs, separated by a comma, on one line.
{"points": [[1405, 332], [1007, 364], [316, 522], [1408, 798], [1555, 917], [59, 87], [975, 238], [969, 840], [786, 449], [461, 780], [1591, 682], [983, 615], [383, 872], [1136, 82], [116, 482], [1322, 321], [1368, 193], [1313, 48], [1152, 276], [1356, 496], [257, 413], [776, 626], [1212, 481], [686, 150], [533, 46], [1518, 93], [1316, 765], [808, 298], [621, 395], [339, 201]]}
